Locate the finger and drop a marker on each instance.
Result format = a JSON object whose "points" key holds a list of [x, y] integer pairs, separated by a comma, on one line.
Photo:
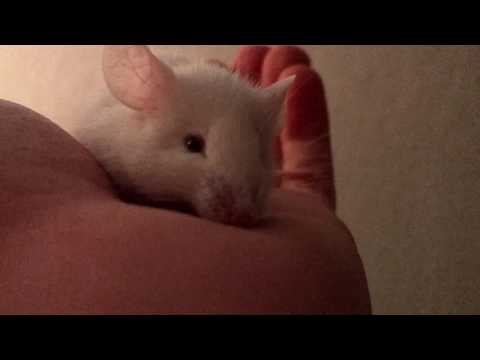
{"points": [[249, 64], [307, 158], [249, 61], [278, 59]]}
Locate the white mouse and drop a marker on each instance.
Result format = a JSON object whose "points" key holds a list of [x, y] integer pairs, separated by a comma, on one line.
{"points": [[192, 133]]}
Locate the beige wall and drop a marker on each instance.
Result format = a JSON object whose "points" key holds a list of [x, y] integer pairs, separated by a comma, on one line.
{"points": [[406, 138]]}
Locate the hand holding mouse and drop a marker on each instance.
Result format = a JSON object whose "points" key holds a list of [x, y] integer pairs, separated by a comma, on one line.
{"points": [[301, 260], [189, 133], [100, 255]]}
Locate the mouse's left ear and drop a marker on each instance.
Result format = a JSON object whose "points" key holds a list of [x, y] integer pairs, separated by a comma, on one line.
{"points": [[137, 78], [276, 95]]}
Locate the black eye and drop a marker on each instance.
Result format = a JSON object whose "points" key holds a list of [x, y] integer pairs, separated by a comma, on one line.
{"points": [[194, 143]]}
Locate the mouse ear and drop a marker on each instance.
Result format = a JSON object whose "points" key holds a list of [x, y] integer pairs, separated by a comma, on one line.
{"points": [[276, 95], [137, 78]]}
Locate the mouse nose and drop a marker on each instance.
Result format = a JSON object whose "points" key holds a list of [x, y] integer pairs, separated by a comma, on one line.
{"points": [[243, 217], [230, 216], [238, 206]]}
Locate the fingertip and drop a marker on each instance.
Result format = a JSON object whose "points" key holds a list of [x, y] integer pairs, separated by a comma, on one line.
{"points": [[279, 58], [249, 61], [307, 113]]}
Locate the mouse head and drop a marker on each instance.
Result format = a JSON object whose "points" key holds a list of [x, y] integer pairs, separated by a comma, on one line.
{"points": [[202, 135]]}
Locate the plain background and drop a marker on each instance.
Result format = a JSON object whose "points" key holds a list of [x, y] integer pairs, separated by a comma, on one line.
{"points": [[405, 123]]}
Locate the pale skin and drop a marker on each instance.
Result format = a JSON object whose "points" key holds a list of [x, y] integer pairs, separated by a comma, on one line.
{"points": [[301, 260]]}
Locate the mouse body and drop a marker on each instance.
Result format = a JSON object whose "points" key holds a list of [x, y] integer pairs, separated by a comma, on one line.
{"points": [[186, 132]]}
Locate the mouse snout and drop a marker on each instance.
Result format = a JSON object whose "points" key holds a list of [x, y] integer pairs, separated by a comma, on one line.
{"points": [[230, 204]]}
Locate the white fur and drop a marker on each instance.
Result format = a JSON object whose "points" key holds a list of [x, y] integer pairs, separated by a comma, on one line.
{"points": [[144, 152]]}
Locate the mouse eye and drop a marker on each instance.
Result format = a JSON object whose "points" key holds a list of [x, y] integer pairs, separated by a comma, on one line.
{"points": [[194, 143]]}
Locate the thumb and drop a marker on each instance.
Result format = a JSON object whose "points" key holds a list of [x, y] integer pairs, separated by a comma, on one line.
{"points": [[305, 142]]}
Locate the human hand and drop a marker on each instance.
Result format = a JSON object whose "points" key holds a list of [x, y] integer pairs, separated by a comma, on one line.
{"points": [[303, 149], [144, 260]]}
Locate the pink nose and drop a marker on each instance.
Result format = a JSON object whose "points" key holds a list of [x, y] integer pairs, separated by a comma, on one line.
{"points": [[220, 201], [228, 210], [240, 218], [233, 208]]}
